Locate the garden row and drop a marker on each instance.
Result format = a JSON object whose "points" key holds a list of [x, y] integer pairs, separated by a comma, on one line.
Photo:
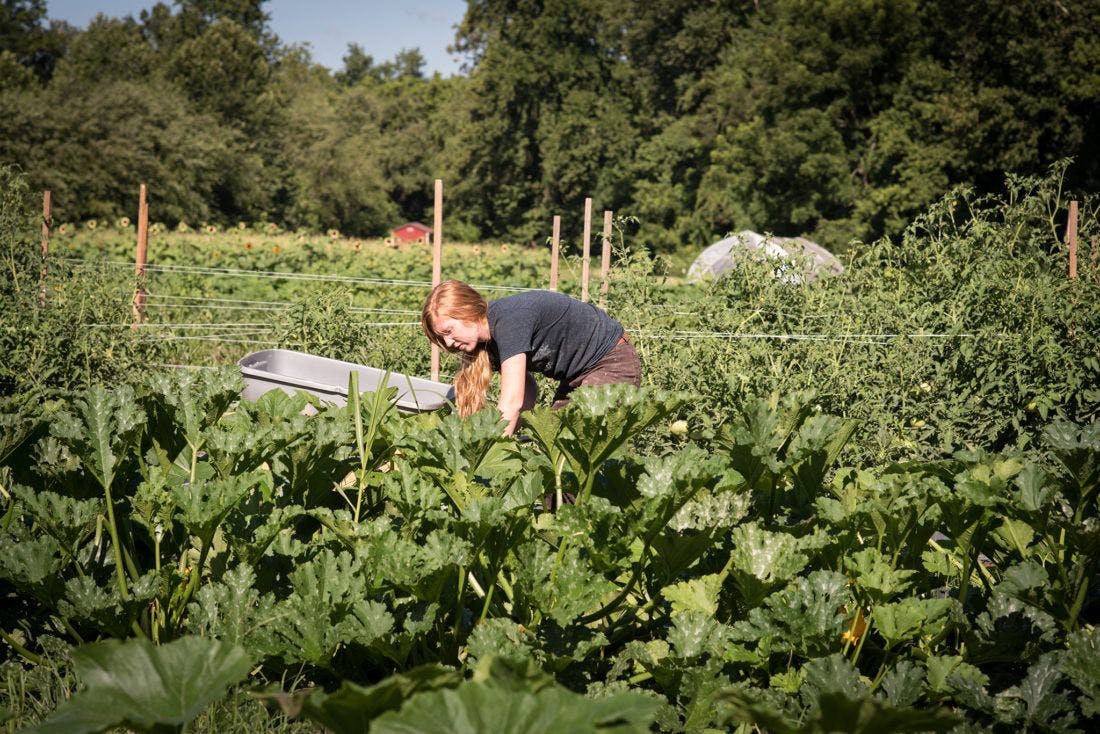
{"points": [[738, 578], [903, 534]]}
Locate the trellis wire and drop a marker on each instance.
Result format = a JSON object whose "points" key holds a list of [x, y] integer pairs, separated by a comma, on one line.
{"points": [[320, 277], [285, 304]]}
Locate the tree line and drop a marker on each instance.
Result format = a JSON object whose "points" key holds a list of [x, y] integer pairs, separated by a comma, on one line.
{"points": [[835, 119]]}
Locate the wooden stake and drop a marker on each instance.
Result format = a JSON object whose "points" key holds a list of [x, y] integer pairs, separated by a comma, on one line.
{"points": [[139, 258], [45, 247], [1071, 239], [437, 261], [555, 247], [587, 248], [605, 259]]}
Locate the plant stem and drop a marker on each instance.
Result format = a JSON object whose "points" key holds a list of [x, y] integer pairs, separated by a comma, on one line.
{"points": [[353, 405], [30, 656], [112, 528], [863, 638], [475, 585], [458, 604], [612, 605], [488, 600]]}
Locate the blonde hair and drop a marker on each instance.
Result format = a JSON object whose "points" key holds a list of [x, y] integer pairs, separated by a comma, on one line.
{"points": [[457, 300]]}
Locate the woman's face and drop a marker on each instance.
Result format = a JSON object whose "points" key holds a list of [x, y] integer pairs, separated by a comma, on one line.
{"points": [[457, 335]]}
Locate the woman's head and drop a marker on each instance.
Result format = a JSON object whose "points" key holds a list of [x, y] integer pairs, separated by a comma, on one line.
{"points": [[452, 316]]}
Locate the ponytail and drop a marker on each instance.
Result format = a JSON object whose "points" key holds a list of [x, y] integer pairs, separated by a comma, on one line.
{"points": [[472, 382]]}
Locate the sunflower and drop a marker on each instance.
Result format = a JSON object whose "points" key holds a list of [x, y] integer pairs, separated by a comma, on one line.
{"points": [[504, 249], [276, 249], [248, 245], [211, 229], [91, 224], [242, 226], [476, 251], [182, 227], [124, 223], [358, 246], [333, 233], [63, 229]]}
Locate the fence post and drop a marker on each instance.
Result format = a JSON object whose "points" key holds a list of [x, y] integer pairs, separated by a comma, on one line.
{"points": [[555, 245], [605, 259], [1071, 239], [437, 261], [587, 248], [46, 203], [139, 258]]}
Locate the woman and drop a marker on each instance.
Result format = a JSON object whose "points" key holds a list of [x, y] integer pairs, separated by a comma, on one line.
{"points": [[540, 331]]}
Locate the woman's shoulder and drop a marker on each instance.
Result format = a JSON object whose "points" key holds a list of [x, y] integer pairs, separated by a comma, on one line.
{"points": [[533, 299]]}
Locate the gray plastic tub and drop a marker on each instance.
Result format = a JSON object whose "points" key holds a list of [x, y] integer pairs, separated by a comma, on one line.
{"points": [[272, 369]]}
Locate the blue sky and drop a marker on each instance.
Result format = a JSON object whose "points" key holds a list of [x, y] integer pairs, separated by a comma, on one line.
{"points": [[381, 27]]}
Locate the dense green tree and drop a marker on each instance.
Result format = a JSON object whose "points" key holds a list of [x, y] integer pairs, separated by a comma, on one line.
{"points": [[14, 75], [1000, 87], [167, 30], [92, 149], [791, 101], [837, 118], [536, 71], [225, 71], [360, 66], [108, 49], [334, 179], [24, 34], [668, 47]]}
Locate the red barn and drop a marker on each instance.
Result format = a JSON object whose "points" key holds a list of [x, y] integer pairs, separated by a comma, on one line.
{"points": [[413, 232]]}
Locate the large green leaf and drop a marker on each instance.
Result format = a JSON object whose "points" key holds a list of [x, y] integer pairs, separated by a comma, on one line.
{"points": [[327, 609], [805, 618], [1077, 449], [204, 504], [181, 404], [911, 618], [145, 687], [476, 707], [761, 561], [598, 422], [351, 708], [875, 579], [231, 609], [836, 712], [104, 426], [463, 456], [1082, 664]]}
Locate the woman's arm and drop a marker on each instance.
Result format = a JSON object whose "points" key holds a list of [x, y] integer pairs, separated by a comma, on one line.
{"points": [[517, 392]]}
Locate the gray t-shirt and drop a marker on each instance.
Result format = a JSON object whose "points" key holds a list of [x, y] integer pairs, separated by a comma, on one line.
{"points": [[562, 337]]}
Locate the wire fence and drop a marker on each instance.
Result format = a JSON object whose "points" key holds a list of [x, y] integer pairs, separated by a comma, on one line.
{"points": [[249, 332]]}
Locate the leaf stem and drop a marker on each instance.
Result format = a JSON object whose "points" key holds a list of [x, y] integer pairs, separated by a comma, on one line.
{"points": [[116, 548], [488, 600], [30, 656], [458, 604]]}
